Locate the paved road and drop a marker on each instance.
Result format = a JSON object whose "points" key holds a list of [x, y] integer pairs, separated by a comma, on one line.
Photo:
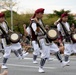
{"points": [[26, 67]]}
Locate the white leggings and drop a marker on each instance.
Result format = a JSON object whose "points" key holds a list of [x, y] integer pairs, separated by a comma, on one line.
{"points": [[15, 46]]}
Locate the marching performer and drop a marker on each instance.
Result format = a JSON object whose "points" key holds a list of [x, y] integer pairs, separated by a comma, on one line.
{"points": [[39, 40], [64, 29], [35, 42], [8, 46]]}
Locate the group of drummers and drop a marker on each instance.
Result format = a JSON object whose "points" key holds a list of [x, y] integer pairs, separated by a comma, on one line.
{"points": [[44, 40]]}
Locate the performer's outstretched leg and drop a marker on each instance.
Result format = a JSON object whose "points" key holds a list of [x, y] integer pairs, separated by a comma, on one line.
{"points": [[57, 54], [64, 63], [42, 62]]}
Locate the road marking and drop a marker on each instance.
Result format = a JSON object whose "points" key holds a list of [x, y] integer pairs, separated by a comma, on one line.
{"points": [[16, 65], [51, 59]]}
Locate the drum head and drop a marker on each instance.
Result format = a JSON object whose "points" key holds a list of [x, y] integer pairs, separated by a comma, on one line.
{"points": [[14, 38], [52, 34]]}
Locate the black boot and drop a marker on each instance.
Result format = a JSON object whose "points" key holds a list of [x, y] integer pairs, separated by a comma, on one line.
{"points": [[34, 57], [20, 52], [4, 60], [42, 62], [57, 54], [4, 63], [16, 53], [66, 57]]}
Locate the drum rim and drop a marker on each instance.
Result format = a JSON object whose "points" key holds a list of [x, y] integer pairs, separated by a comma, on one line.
{"points": [[53, 38], [14, 41]]}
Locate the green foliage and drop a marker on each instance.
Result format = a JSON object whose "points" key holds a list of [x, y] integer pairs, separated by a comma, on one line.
{"points": [[58, 13], [8, 13], [71, 19], [19, 20], [50, 20]]}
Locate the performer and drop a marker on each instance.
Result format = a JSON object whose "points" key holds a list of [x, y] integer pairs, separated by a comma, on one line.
{"points": [[8, 46], [35, 42], [64, 29], [39, 40]]}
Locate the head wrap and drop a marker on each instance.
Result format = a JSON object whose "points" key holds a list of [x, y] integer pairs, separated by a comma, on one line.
{"points": [[2, 14], [64, 14], [40, 10]]}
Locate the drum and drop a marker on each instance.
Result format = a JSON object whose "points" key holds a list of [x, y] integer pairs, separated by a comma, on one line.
{"points": [[73, 37], [52, 34], [14, 37]]}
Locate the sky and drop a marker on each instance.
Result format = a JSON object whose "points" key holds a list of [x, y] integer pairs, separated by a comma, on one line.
{"points": [[24, 6]]}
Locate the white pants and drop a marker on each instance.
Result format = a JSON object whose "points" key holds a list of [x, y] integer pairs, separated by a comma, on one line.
{"points": [[53, 48], [68, 49], [45, 53], [74, 48], [36, 48], [15, 46]]}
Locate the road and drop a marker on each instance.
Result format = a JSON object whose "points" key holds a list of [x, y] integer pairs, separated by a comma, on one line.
{"points": [[26, 67]]}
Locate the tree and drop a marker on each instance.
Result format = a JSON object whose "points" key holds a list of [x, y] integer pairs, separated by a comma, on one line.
{"points": [[58, 13], [6, 4]]}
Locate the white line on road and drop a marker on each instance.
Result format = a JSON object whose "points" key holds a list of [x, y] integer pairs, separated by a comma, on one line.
{"points": [[51, 59], [16, 65]]}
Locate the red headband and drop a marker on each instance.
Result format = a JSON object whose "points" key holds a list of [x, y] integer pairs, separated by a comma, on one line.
{"points": [[40, 10], [64, 14], [2, 14]]}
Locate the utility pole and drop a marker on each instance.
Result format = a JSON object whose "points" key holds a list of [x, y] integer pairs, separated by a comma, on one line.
{"points": [[11, 15]]}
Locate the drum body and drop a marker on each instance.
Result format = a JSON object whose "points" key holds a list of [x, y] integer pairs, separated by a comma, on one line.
{"points": [[73, 37], [14, 37], [52, 34]]}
